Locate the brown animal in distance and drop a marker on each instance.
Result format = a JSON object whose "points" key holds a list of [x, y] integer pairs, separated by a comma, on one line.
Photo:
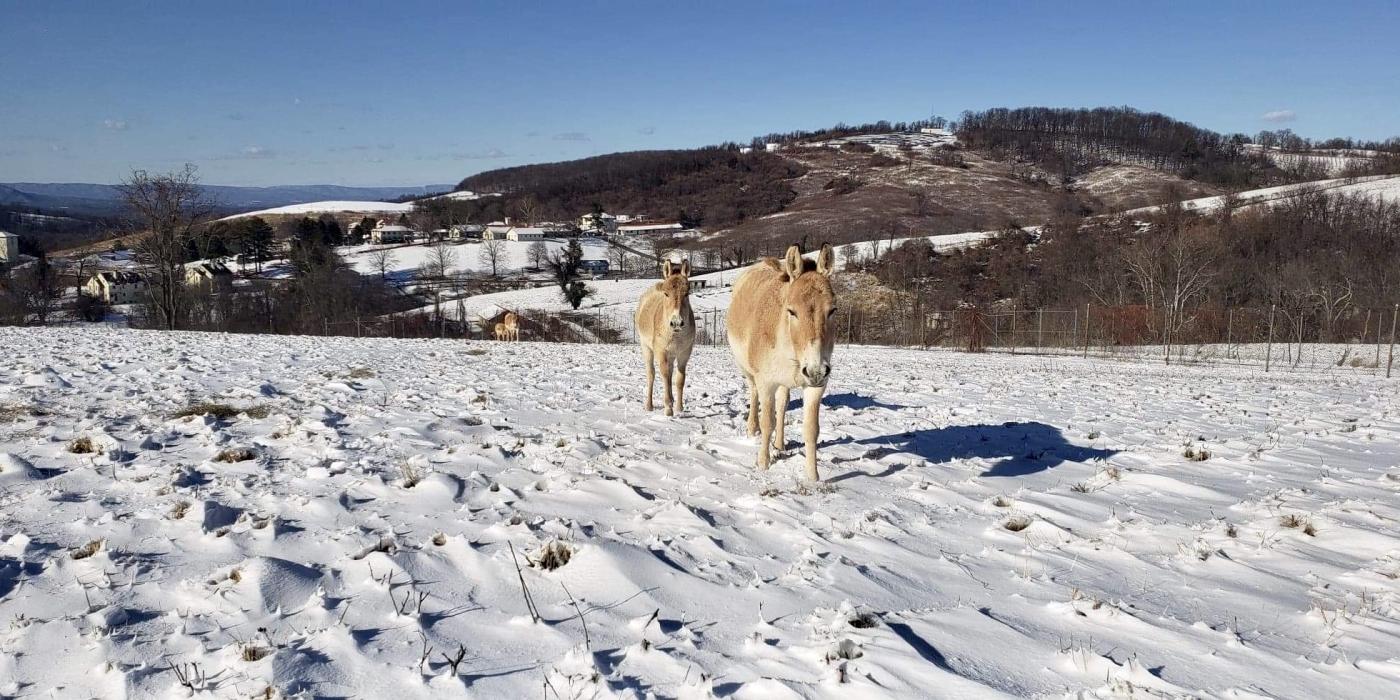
{"points": [[666, 331], [512, 324], [782, 336]]}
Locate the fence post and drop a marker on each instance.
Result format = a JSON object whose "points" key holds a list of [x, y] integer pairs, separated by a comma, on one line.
{"points": [[1086, 331], [1380, 321], [1269, 346], [1013, 329], [1229, 330], [1039, 330], [1390, 358]]}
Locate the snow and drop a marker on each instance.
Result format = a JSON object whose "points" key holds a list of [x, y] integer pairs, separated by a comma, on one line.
{"points": [[1384, 187], [991, 526], [330, 207], [515, 256]]}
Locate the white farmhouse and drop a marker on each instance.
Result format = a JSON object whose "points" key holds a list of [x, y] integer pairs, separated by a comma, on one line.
{"points": [[9, 247], [649, 227], [496, 231], [604, 222], [463, 232], [116, 287], [208, 276], [391, 233], [525, 233]]}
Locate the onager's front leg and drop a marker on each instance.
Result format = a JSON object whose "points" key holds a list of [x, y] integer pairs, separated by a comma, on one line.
{"points": [[765, 426], [680, 387], [783, 395], [811, 426], [667, 396]]}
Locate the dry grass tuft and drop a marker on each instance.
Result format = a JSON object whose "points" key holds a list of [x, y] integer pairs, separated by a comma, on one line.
{"points": [[86, 550], [253, 652], [1294, 521], [1196, 454], [361, 373], [1017, 523], [82, 446], [235, 454], [476, 351], [1002, 502], [439, 539], [220, 411], [553, 555], [179, 510], [412, 475]]}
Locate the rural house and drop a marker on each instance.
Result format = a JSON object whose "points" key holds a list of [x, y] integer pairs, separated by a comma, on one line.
{"points": [[649, 227], [391, 233], [525, 233], [116, 287], [208, 276], [9, 247]]}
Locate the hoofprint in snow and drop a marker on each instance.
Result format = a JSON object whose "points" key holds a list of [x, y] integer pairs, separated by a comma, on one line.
{"points": [[990, 526]]}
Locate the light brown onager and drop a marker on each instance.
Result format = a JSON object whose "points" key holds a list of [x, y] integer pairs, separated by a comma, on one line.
{"points": [[512, 323], [781, 333], [666, 331]]}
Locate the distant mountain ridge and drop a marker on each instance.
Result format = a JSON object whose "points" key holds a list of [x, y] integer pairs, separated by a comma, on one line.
{"points": [[98, 199]]}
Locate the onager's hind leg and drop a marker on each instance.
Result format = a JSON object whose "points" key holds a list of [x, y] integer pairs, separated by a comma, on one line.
{"points": [[753, 406], [651, 375], [765, 426], [780, 402], [680, 386], [667, 362]]}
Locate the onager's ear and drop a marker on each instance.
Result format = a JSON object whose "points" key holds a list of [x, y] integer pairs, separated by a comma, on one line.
{"points": [[685, 267], [792, 262], [666, 267], [826, 260]]}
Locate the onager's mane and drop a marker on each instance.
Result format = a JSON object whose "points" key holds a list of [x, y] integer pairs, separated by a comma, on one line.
{"points": [[781, 336]]}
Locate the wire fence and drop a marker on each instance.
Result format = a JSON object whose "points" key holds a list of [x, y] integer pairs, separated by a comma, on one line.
{"points": [[1272, 338]]}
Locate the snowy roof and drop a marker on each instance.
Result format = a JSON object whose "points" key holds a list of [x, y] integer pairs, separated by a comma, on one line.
{"points": [[527, 230], [392, 227], [118, 277], [650, 225]]}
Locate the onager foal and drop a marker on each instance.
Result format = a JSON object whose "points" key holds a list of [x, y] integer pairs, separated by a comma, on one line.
{"points": [[781, 333], [666, 330]]}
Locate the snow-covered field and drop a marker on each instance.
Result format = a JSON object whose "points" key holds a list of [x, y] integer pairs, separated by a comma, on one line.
{"points": [[331, 207], [467, 255], [990, 526], [1384, 187]]}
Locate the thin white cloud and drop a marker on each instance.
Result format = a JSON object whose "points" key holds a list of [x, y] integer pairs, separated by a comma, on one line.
{"points": [[257, 152], [571, 136], [1280, 115], [488, 154], [115, 124]]}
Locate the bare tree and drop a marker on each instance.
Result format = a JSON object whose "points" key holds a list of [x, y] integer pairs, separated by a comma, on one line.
{"points": [[528, 208], [441, 258], [538, 254], [170, 207], [382, 260], [1171, 268], [492, 254]]}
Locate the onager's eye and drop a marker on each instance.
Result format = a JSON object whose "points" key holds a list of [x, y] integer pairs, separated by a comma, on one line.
{"points": [[831, 313], [792, 313]]}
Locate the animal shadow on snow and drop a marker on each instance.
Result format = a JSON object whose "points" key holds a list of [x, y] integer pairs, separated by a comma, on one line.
{"points": [[1021, 448], [855, 402]]}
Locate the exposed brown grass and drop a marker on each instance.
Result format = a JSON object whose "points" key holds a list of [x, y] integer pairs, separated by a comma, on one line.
{"points": [[553, 555], [220, 411], [86, 550], [82, 445], [235, 454]]}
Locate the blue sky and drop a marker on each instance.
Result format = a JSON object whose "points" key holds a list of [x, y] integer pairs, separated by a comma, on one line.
{"points": [[379, 93]]}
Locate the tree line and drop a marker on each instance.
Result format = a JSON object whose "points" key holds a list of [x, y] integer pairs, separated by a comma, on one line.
{"points": [[1319, 259]]}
